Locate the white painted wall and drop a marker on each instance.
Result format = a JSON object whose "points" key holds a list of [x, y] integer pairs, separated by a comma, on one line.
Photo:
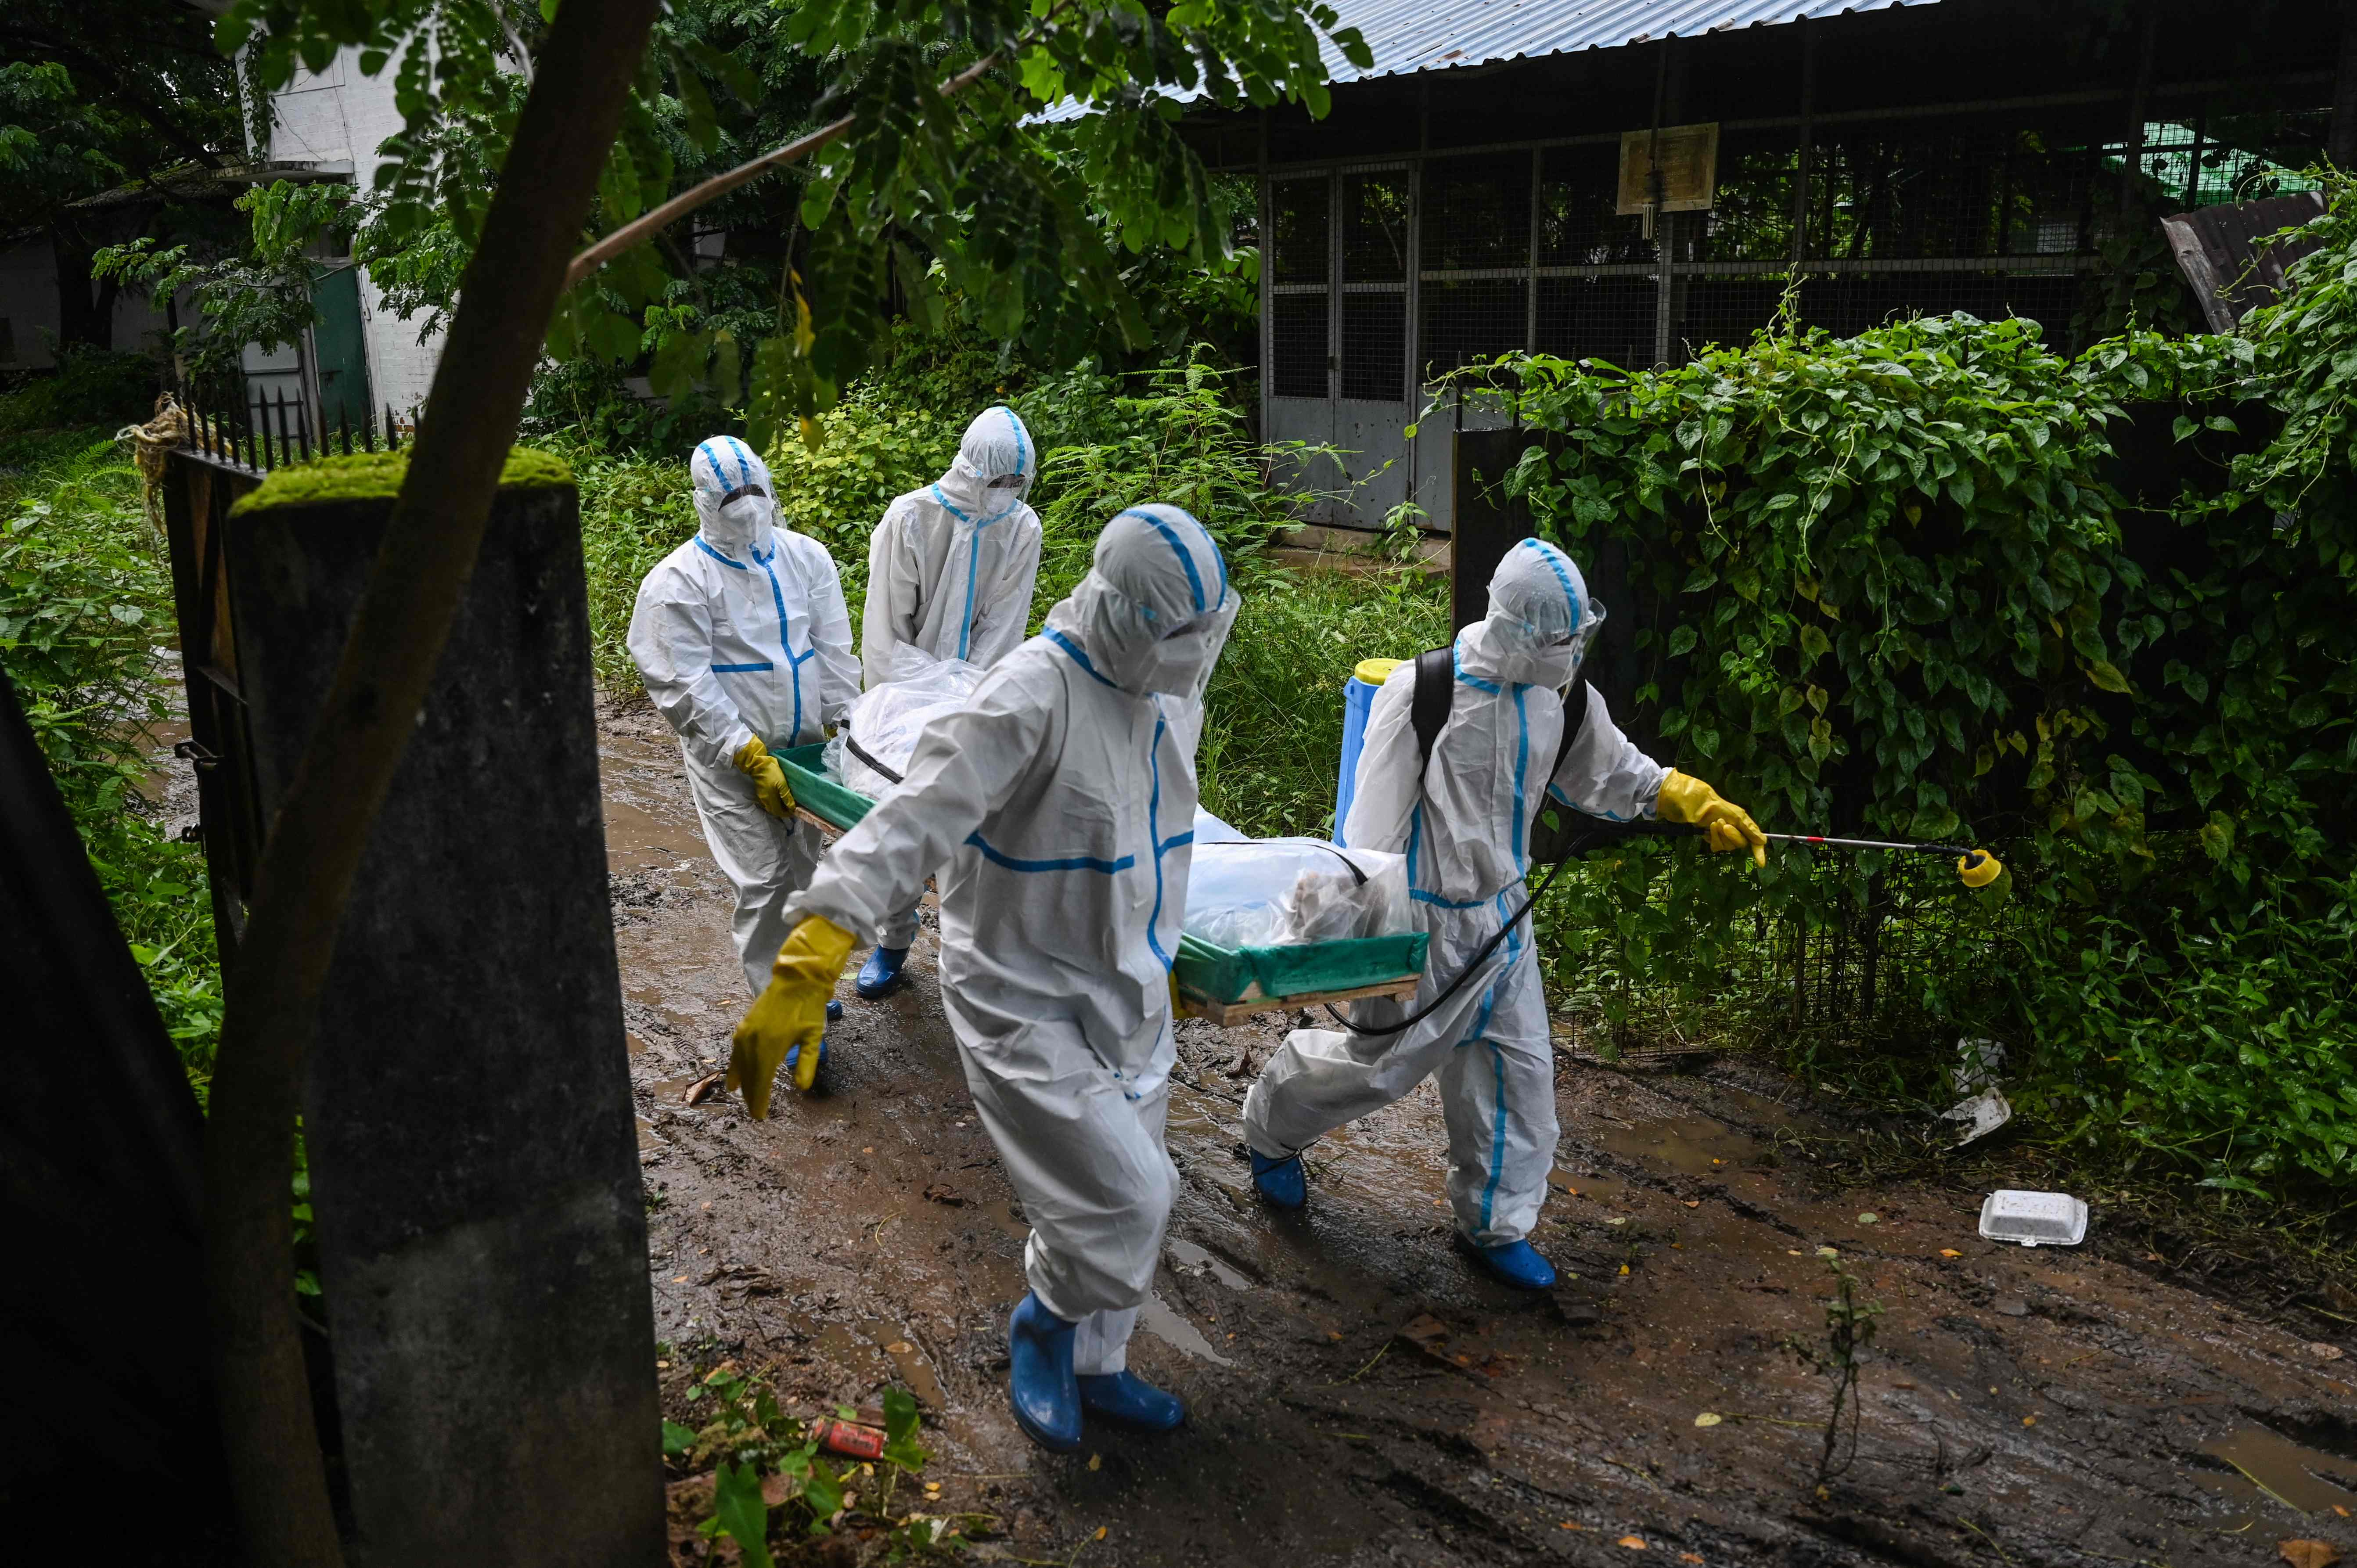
{"points": [[338, 119]]}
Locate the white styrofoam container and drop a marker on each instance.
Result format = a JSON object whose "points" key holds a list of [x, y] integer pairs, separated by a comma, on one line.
{"points": [[2034, 1219]]}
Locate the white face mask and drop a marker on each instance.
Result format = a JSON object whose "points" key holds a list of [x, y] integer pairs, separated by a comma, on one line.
{"points": [[745, 517]]}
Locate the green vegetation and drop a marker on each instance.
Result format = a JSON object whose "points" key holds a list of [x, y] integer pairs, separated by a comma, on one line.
{"points": [[773, 1487], [85, 634], [1898, 597], [1848, 1340], [1273, 727], [90, 386]]}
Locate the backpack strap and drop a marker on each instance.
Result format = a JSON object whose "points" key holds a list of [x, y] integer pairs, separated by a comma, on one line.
{"points": [[1575, 724], [1435, 689]]}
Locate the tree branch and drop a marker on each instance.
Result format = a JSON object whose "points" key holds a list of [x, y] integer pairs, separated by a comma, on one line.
{"points": [[720, 184], [141, 107], [510, 290]]}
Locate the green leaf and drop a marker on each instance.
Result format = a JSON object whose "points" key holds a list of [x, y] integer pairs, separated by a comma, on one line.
{"points": [[901, 1423], [2218, 837], [2107, 676], [676, 1439], [677, 365], [738, 1507], [900, 1417], [823, 1491]]}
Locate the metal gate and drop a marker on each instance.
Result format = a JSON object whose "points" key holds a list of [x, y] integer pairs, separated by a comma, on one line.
{"points": [[230, 445]]}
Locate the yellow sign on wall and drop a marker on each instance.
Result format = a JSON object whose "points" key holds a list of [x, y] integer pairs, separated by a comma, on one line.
{"points": [[1689, 160]]}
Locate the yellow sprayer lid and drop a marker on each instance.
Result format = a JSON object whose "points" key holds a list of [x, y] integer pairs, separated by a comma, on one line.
{"points": [[1375, 672]]}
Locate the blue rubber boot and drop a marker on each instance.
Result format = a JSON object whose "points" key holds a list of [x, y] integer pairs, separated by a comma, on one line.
{"points": [[1283, 1182], [1040, 1387], [880, 975], [1129, 1399], [1517, 1263], [794, 1054], [834, 1011]]}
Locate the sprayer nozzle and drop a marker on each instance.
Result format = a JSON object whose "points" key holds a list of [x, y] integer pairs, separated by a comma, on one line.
{"points": [[1978, 867]]}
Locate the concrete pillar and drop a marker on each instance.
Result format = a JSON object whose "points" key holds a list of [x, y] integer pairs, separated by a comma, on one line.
{"points": [[474, 1169]]}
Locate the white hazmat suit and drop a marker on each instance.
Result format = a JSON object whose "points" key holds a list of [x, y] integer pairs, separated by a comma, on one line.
{"points": [[950, 569], [1463, 820], [741, 633], [1062, 797], [952, 566]]}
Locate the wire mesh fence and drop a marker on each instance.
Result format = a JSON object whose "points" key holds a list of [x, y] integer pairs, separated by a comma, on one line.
{"points": [[1855, 961], [1847, 225]]}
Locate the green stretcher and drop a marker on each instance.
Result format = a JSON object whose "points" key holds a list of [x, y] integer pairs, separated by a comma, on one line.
{"points": [[1225, 985]]}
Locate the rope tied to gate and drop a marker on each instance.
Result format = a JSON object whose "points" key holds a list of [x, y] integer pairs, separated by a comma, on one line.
{"points": [[151, 443]]}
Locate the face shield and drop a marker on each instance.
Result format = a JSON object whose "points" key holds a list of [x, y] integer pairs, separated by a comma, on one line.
{"points": [[1541, 620], [1154, 611]]}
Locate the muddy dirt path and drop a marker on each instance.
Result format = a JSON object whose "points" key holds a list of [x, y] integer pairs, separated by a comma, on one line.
{"points": [[1357, 1395]]}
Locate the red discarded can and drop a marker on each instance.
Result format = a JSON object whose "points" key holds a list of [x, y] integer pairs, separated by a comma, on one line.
{"points": [[840, 1437]]}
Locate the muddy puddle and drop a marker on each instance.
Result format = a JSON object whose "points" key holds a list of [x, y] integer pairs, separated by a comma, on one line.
{"points": [[1356, 1394], [2270, 1466]]}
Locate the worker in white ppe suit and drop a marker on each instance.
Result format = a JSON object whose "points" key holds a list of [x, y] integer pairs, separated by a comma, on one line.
{"points": [[1463, 819], [950, 571], [1062, 797], [744, 645]]}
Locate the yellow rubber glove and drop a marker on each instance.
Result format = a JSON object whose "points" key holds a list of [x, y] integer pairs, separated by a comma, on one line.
{"points": [[1686, 798], [790, 1012], [769, 787]]}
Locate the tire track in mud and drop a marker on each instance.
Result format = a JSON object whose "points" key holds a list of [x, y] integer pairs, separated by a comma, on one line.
{"points": [[1345, 1428]]}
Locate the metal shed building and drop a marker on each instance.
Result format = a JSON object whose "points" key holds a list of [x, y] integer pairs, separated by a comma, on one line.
{"points": [[1466, 196]]}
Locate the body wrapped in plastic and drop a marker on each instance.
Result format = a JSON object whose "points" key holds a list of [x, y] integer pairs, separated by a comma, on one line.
{"points": [[886, 720], [1280, 892]]}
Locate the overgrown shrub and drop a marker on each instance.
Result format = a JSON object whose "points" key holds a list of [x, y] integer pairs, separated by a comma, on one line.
{"points": [[2232, 1040], [89, 386], [1183, 442], [85, 623], [1893, 596]]}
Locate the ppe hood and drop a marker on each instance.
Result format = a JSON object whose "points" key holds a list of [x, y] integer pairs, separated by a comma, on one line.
{"points": [[1540, 623], [1154, 611], [997, 446], [735, 505]]}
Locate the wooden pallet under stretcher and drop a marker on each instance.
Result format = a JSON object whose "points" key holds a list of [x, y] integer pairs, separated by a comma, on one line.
{"points": [[1227, 1015]]}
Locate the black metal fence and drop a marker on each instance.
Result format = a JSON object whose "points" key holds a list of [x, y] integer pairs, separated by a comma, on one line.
{"points": [[229, 422]]}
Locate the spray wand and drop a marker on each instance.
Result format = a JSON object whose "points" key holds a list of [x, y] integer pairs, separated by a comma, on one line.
{"points": [[1975, 868]]}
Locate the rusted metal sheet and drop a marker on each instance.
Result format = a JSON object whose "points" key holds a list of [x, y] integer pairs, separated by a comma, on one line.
{"points": [[2227, 255]]}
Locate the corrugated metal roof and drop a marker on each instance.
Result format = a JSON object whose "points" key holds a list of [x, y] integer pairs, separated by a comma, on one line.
{"points": [[1410, 35]]}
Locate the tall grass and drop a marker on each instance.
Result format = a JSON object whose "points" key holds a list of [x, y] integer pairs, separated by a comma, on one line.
{"points": [[85, 624], [1273, 732]]}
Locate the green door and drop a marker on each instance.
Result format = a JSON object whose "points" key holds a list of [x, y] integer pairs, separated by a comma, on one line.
{"points": [[342, 351]]}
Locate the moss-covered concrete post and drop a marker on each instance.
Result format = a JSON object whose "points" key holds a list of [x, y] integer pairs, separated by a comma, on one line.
{"points": [[474, 1170]]}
